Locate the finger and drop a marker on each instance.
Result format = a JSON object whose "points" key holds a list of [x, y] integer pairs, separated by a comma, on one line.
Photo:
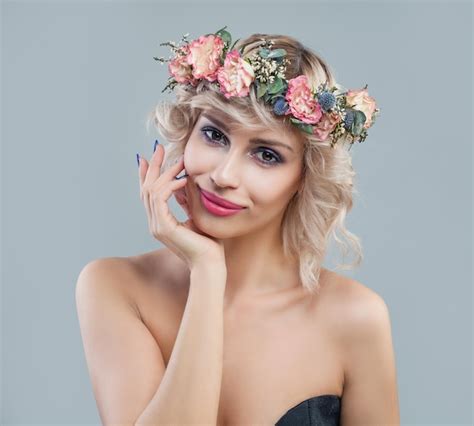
{"points": [[148, 208], [172, 172], [175, 169], [171, 187], [153, 171], [142, 169], [160, 206]]}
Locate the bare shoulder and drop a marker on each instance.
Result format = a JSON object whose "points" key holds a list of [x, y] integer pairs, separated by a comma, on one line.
{"points": [[120, 275], [108, 273], [353, 305], [124, 357], [360, 318], [155, 268], [161, 270], [361, 321]]}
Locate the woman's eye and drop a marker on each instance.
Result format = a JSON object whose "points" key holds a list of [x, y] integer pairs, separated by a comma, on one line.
{"points": [[269, 154], [216, 138], [213, 132]]}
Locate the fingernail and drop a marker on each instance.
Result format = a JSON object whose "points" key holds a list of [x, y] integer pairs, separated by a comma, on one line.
{"points": [[180, 177], [138, 160], [156, 143]]}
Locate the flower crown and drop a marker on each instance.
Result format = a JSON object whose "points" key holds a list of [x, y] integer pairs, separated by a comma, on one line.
{"points": [[325, 112]]}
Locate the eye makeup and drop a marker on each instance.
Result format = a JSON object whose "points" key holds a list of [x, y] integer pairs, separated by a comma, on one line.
{"points": [[275, 157], [262, 141]]}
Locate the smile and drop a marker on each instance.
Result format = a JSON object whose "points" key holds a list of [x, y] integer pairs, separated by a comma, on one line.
{"points": [[217, 209]]}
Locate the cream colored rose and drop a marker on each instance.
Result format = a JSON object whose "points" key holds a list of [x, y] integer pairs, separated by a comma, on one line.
{"points": [[360, 100], [235, 76], [326, 125], [204, 56]]}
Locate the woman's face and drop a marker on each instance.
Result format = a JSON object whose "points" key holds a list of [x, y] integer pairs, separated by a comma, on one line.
{"points": [[235, 165]]}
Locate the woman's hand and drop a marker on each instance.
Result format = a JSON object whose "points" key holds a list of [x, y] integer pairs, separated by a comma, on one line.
{"points": [[184, 239]]}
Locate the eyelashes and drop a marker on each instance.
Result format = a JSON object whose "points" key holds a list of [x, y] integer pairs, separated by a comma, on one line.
{"points": [[205, 130]]}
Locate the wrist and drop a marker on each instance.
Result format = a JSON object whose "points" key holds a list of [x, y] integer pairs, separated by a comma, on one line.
{"points": [[210, 264], [210, 268]]}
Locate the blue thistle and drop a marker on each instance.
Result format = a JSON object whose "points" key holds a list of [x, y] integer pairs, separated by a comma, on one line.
{"points": [[349, 119], [327, 100], [280, 106]]}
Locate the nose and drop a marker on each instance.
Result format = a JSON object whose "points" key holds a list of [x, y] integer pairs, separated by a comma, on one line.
{"points": [[226, 173]]}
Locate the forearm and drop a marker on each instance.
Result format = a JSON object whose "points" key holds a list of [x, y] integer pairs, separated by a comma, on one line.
{"points": [[190, 389]]}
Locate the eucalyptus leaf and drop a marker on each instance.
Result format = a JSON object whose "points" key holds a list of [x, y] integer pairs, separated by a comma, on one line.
{"points": [[235, 42], [264, 52], [358, 123], [261, 89], [307, 128], [225, 36], [223, 28], [273, 98], [303, 126], [277, 53], [296, 121], [276, 86], [267, 98]]}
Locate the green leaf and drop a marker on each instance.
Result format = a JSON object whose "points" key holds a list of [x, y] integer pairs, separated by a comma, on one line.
{"points": [[235, 42], [308, 128], [296, 121], [273, 98], [225, 36], [267, 98], [276, 86], [222, 29], [264, 52], [277, 53], [261, 89], [358, 123]]}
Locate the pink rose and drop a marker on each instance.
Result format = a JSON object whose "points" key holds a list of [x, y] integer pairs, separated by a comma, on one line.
{"points": [[301, 101], [179, 67], [204, 56], [362, 102], [326, 125], [235, 76]]}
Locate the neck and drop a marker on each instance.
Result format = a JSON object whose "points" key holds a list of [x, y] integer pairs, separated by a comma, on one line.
{"points": [[256, 266]]}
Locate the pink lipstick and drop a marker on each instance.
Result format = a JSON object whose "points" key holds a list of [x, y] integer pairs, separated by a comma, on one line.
{"points": [[217, 209]]}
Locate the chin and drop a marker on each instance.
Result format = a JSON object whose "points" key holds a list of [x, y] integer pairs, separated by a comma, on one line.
{"points": [[214, 227]]}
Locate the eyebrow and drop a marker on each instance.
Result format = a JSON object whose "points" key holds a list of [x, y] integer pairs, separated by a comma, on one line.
{"points": [[252, 140]]}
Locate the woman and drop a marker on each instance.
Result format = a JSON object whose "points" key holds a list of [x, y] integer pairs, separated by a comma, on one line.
{"points": [[235, 321]]}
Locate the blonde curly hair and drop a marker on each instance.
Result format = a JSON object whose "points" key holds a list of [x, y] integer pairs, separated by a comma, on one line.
{"points": [[319, 208]]}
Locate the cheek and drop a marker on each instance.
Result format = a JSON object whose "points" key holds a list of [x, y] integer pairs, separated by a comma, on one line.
{"points": [[197, 157], [270, 195]]}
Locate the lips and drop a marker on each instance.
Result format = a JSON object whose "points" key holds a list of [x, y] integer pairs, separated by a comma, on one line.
{"points": [[219, 201]]}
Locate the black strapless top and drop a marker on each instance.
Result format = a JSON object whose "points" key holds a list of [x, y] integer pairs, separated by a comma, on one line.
{"points": [[321, 410]]}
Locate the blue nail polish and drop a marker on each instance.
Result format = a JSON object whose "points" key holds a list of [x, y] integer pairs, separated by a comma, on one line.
{"points": [[181, 177], [138, 160], [156, 143]]}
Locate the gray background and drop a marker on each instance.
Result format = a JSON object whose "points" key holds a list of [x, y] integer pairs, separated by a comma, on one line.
{"points": [[78, 79]]}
